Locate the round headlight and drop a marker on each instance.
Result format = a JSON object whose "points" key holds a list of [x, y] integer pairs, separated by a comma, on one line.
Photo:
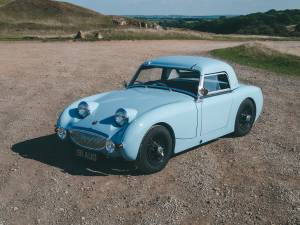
{"points": [[83, 109], [121, 117], [110, 146]]}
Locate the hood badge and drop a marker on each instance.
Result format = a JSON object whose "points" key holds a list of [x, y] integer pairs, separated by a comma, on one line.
{"points": [[94, 122]]}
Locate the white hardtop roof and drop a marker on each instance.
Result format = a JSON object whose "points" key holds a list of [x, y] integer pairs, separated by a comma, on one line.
{"points": [[204, 65]]}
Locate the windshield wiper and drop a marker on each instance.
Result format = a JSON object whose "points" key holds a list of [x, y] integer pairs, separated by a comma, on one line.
{"points": [[157, 84], [137, 83], [151, 84]]}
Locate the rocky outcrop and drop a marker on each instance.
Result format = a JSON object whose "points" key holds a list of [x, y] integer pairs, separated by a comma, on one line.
{"points": [[79, 35]]}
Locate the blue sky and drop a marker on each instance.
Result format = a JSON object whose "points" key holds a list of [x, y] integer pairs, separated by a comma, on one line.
{"points": [[184, 7]]}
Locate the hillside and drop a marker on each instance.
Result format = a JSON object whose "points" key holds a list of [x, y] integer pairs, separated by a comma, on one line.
{"points": [[47, 14], [276, 23]]}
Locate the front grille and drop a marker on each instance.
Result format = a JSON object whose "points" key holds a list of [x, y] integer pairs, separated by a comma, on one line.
{"points": [[88, 140]]}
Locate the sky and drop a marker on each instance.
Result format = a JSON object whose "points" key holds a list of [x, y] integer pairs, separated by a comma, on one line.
{"points": [[185, 7]]}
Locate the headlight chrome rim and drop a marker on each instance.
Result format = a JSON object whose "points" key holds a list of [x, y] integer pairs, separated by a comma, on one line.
{"points": [[83, 109], [110, 146], [61, 133], [121, 117]]}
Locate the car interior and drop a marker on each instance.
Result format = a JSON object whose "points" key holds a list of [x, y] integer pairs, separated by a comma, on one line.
{"points": [[185, 80], [216, 82]]}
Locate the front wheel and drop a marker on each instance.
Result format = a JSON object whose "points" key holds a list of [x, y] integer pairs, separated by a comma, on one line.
{"points": [[155, 150], [245, 118]]}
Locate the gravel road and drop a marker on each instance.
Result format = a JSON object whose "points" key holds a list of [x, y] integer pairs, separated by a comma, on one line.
{"points": [[249, 180]]}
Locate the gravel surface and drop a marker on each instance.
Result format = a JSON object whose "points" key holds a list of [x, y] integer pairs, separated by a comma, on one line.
{"points": [[289, 47], [249, 180]]}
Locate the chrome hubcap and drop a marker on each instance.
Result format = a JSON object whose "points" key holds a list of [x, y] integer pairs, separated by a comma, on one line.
{"points": [[160, 151], [248, 118], [156, 152]]}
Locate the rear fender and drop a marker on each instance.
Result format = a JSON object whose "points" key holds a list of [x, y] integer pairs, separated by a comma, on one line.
{"points": [[240, 94]]}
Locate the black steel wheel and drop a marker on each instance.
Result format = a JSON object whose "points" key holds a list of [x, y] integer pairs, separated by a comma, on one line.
{"points": [[245, 118], [155, 150]]}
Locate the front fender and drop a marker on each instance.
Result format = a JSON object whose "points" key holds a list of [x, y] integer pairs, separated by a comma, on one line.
{"points": [[69, 115], [180, 116]]}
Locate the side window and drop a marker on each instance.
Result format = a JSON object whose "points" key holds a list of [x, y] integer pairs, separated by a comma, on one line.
{"points": [[216, 82], [223, 81]]}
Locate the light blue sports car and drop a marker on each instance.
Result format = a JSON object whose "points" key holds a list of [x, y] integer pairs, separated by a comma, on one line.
{"points": [[171, 104]]}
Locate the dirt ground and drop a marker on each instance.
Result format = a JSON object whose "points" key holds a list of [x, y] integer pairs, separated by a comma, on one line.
{"points": [[291, 47], [249, 180]]}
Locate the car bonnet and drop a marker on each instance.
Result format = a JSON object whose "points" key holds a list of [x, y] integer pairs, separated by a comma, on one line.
{"points": [[136, 100]]}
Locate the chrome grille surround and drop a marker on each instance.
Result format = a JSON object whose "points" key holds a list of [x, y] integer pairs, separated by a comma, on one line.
{"points": [[87, 139]]}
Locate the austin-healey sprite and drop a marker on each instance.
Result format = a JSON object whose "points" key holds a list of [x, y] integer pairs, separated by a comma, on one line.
{"points": [[170, 105]]}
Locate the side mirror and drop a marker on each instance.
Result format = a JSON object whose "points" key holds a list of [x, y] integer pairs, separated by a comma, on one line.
{"points": [[203, 91], [125, 84]]}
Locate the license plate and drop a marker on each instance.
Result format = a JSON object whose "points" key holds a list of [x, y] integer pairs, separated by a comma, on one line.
{"points": [[86, 155]]}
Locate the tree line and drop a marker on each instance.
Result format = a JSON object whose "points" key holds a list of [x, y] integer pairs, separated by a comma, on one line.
{"points": [[274, 23]]}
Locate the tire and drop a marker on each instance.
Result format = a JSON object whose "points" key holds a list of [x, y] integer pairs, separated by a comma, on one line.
{"points": [[245, 118], [155, 150]]}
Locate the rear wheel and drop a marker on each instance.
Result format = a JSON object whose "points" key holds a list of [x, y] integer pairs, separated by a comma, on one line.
{"points": [[155, 150], [245, 118]]}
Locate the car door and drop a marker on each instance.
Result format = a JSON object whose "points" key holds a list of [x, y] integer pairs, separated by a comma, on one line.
{"points": [[216, 105]]}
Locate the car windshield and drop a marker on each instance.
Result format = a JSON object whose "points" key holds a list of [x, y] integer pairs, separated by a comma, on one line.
{"points": [[185, 81]]}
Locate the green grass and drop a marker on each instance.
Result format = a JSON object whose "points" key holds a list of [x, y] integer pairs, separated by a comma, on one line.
{"points": [[261, 57], [34, 38], [3, 2], [50, 33], [136, 34]]}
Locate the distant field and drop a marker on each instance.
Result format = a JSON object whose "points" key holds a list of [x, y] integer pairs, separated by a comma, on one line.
{"points": [[259, 56], [276, 23], [131, 34]]}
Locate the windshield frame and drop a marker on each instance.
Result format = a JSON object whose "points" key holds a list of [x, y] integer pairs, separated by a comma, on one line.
{"points": [[142, 67]]}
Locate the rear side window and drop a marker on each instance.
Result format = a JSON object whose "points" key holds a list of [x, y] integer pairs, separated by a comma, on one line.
{"points": [[216, 82]]}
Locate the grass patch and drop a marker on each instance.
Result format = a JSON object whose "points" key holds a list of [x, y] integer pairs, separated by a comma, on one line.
{"points": [[4, 2], [58, 32], [136, 34], [177, 34], [108, 35], [34, 38], [256, 55], [10, 32]]}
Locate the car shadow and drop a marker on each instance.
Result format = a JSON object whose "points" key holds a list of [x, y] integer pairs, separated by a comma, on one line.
{"points": [[49, 150]]}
